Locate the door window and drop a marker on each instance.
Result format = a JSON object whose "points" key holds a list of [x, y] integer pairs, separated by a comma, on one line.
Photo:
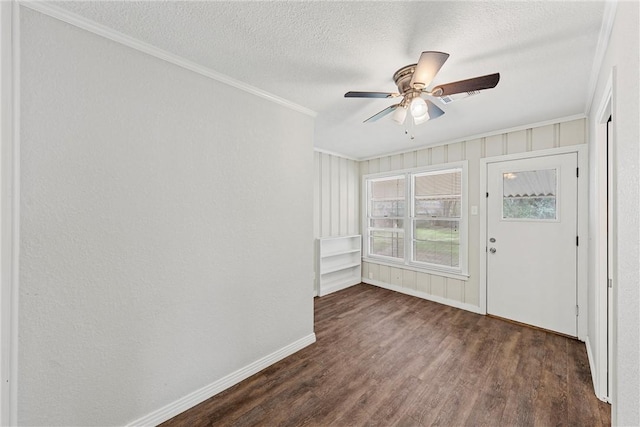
{"points": [[530, 195]]}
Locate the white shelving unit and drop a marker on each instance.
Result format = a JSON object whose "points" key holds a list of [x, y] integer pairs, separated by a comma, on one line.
{"points": [[338, 264]]}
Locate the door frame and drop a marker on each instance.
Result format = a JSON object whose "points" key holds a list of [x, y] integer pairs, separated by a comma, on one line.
{"points": [[9, 206], [583, 224], [601, 362]]}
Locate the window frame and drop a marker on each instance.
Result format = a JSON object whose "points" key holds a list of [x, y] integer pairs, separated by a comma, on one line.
{"points": [[407, 262], [383, 229]]}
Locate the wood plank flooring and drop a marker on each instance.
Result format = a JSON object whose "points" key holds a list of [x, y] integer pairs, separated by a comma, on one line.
{"points": [[388, 359]]}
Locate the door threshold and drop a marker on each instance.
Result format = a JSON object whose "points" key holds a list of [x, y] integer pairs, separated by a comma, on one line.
{"points": [[532, 326]]}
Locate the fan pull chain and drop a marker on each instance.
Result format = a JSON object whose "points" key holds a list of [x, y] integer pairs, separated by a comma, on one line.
{"points": [[410, 129]]}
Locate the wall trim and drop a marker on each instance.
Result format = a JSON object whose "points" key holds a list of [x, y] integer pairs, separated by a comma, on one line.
{"points": [[608, 19], [424, 295], [598, 143], [192, 399], [335, 154], [10, 205], [592, 365], [118, 37], [594, 378], [434, 272], [482, 135]]}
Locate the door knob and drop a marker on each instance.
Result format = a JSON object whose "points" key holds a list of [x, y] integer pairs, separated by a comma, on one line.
{"points": [[492, 250]]}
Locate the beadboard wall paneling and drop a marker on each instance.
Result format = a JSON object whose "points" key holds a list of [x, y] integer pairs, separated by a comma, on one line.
{"points": [[336, 196], [433, 285]]}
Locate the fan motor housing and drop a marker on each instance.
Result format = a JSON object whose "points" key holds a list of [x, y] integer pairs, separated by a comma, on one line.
{"points": [[403, 76]]}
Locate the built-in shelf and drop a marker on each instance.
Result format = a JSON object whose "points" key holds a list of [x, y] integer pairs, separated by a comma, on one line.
{"points": [[340, 267], [350, 251], [339, 263]]}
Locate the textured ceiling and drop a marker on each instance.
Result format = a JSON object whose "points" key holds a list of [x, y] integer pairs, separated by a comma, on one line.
{"points": [[311, 53]]}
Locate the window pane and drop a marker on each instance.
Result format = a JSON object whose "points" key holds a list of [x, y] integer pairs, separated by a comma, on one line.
{"points": [[438, 207], [529, 195], [438, 194], [386, 223], [437, 242], [387, 197], [442, 184], [388, 188], [387, 243], [387, 208]]}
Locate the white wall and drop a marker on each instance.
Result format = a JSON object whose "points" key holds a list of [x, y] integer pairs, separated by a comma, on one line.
{"points": [[463, 293], [166, 222], [621, 61]]}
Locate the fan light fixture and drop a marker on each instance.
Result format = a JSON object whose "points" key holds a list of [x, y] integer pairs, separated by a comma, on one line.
{"points": [[419, 110], [399, 115]]}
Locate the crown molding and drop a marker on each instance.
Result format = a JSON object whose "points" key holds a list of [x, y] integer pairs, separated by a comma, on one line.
{"points": [[335, 154], [481, 135], [118, 37]]}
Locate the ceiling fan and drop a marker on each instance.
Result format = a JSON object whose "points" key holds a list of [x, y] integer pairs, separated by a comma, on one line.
{"points": [[412, 81]]}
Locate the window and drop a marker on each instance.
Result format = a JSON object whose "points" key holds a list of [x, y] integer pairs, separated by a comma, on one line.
{"points": [[436, 218], [386, 216], [529, 195], [418, 218]]}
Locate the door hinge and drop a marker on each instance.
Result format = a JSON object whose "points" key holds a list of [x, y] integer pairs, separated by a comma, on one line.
{"points": [[577, 241], [577, 311], [487, 194], [577, 172], [610, 283]]}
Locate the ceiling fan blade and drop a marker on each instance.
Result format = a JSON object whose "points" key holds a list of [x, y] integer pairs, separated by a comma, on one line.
{"points": [[427, 68], [382, 113], [355, 94], [434, 110], [477, 83]]}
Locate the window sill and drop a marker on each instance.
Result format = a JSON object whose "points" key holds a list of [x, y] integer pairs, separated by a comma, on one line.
{"points": [[432, 271]]}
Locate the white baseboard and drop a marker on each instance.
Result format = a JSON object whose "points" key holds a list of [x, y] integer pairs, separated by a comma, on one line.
{"points": [[189, 401], [424, 295], [592, 365], [594, 376]]}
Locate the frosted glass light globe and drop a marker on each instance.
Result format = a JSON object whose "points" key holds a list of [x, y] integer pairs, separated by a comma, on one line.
{"points": [[418, 107]]}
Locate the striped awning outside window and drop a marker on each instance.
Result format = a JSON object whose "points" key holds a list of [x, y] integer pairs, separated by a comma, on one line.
{"points": [[538, 183]]}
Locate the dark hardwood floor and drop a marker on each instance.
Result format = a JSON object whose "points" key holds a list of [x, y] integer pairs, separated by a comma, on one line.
{"points": [[384, 358]]}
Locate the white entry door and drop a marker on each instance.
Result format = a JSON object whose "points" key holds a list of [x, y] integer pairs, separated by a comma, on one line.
{"points": [[532, 241]]}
